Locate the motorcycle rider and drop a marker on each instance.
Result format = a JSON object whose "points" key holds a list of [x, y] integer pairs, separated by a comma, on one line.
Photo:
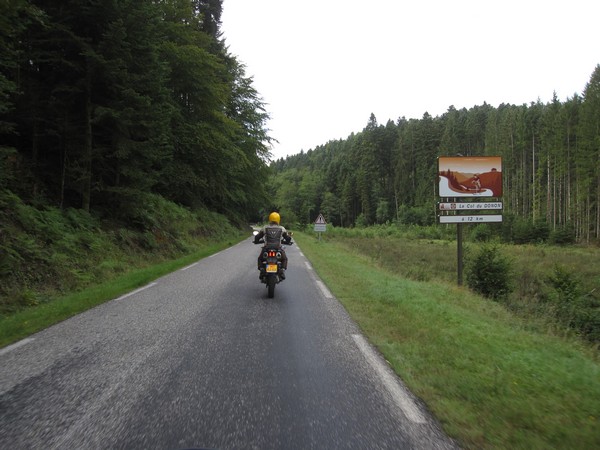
{"points": [[273, 233]]}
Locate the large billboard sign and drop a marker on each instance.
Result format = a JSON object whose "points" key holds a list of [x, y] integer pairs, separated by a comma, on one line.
{"points": [[470, 176]]}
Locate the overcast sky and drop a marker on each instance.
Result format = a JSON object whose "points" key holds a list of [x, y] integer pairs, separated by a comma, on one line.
{"points": [[323, 66]]}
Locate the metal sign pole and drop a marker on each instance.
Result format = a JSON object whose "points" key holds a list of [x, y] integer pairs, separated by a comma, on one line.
{"points": [[459, 252]]}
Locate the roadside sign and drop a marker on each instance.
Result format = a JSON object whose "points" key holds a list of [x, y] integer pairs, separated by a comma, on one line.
{"points": [[470, 176], [320, 225], [482, 218], [469, 206], [474, 177]]}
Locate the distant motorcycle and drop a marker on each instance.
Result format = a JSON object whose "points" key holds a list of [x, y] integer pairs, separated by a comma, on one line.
{"points": [[270, 264]]}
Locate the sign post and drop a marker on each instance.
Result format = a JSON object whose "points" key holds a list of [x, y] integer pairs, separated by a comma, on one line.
{"points": [[468, 178], [459, 253], [320, 225]]}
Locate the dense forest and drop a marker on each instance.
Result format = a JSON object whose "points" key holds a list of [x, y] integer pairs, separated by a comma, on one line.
{"points": [[106, 105], [129, 136], [388, 173], [128, 126]]}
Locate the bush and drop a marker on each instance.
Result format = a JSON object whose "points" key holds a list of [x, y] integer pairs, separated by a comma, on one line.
{"points": [[482, 232], [415, 215], [572, 308], [489, 272], [16, 300], [562, 236], [383, 213], [565, 283], [522, 231], [45, 250], [361, 221]]}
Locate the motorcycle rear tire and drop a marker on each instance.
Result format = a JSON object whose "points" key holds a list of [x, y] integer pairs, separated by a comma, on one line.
{"points": [[271, 282]]}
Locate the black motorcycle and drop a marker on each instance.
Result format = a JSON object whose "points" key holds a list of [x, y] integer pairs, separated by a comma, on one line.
{"points": [[270, 264]]}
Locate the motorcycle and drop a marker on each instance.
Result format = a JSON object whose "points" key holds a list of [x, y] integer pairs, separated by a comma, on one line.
{"points": [[271, 272]]}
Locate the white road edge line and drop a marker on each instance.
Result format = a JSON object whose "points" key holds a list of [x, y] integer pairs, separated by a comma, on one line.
{"points": [[324, 290], [16, 345], [189, 267], [143, 288], [398, 393], [308, 266]]}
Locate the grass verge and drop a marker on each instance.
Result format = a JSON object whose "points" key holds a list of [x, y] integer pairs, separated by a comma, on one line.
{"points": [[36, 318], [491, 380]]}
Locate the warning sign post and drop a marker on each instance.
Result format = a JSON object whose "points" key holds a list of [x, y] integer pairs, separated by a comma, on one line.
{"points": [[320, 225]]}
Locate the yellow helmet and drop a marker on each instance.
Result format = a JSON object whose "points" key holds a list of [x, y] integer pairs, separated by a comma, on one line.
{"points": [[274, 217]]}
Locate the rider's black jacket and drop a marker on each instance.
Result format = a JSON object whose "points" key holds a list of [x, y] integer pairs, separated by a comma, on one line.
{"points": [[272, 234]]}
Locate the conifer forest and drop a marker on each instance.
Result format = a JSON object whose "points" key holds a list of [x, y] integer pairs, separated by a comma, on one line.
{"points": [[388, 173], [105, 105]]}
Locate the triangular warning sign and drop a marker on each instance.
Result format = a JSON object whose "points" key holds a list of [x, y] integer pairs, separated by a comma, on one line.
{"points": [[320, 220]]}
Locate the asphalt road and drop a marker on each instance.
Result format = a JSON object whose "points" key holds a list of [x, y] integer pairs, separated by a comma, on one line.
{"points": [[201, 358]]}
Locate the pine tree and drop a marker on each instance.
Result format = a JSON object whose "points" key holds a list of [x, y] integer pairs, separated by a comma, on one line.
{"points": [[588, 170]]}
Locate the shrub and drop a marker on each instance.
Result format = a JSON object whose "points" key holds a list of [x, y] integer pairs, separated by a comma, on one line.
{"points": [[17, 299], [562, 236], [565, 283], [46, 250], [524, 231], [572, 308], [481, 232], [416, 215], [383, 213], [489, 272], [361, 221]]}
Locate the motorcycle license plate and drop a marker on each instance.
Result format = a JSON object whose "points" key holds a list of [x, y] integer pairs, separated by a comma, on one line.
{"points": [[271, 268]]}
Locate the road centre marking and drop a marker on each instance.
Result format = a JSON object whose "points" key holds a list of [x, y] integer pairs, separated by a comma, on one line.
{"points": [[398, 393], [16, 345], [143, 288]]}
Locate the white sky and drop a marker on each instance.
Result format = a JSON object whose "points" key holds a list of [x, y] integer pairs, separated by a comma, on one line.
{"points": [[323, 66]]}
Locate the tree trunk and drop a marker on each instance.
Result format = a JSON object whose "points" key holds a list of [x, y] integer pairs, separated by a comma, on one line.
{"points": [[87, 144], [549, 195], [533, 197]]}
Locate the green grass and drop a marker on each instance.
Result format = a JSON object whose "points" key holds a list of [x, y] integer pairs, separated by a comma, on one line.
{"points": [[531, 268], [56, 309], [492, 379]]}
